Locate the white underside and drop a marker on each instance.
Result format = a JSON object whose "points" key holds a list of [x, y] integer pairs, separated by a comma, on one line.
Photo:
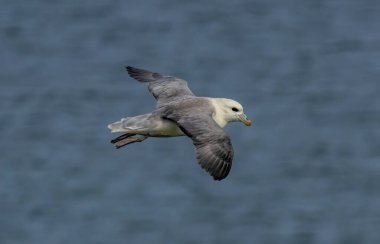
{"points": [[166, 129]]}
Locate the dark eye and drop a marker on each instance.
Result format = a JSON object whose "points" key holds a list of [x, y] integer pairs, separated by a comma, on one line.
{"points": [[235, 109]]}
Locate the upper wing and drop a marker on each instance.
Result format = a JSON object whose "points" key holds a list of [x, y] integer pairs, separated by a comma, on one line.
{"points": [[213, 147], [164, 88]]}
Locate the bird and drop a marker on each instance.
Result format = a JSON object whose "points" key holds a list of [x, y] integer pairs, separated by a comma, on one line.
{"points": [[179, 112]]}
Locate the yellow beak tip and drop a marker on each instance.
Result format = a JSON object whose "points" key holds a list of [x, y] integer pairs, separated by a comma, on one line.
{"points": [[248, 123]]}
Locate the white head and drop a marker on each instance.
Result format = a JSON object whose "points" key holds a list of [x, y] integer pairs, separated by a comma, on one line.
{"points": [[228, 110]]}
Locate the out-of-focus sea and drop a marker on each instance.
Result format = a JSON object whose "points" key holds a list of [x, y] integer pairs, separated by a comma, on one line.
{"points": [[307, 73]]}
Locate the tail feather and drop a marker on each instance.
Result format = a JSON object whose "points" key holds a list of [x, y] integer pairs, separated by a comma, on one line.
{"points": [[134, 124], [116, 127]]}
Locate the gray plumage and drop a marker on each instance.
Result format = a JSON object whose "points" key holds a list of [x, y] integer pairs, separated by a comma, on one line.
{"points": [[163, 87], [179, 112]]}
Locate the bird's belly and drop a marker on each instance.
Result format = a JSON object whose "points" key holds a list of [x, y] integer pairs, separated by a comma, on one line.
{"points": [[166, 128]]}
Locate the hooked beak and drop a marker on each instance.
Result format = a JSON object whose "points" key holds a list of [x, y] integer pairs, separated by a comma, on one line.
{"points": [[243, 118]]}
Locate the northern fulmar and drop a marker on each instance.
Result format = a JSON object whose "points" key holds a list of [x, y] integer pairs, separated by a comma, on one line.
{"points": [[179, 112]]}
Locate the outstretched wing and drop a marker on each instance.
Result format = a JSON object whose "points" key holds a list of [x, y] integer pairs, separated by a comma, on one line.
{"points": [[164, 88], [213, 147]]}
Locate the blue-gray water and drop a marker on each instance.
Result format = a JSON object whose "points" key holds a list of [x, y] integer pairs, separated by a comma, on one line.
{"points": [[307, 73]]}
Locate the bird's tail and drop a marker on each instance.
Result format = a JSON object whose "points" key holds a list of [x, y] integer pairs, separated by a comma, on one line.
{"points": [[136, 125], [116, 126]]}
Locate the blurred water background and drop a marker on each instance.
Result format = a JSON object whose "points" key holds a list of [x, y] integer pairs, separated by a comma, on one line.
{"points": [[307, 73]]}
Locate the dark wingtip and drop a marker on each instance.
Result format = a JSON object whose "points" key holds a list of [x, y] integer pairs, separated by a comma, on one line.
{"points": [[222, 172], [140, 74], [131, 70], [219, 177]]}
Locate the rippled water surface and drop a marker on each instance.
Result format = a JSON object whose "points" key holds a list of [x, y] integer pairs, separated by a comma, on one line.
{"points": [[307, 171]]}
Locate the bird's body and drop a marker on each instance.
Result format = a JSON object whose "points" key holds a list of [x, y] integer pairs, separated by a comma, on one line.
{"points": [[155, 125], [178, 113]]}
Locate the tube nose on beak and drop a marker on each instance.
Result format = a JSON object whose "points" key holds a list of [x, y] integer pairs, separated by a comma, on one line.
{"points": [[248, 122], [245, 120]]}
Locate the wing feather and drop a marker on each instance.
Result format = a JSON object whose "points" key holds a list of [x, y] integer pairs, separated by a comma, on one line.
{"points": [[213, 147], [164, 88]]}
